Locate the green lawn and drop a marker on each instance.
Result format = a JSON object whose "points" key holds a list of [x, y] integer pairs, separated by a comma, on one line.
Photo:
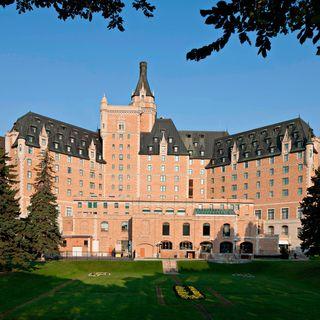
{"points": [[278, 290]]}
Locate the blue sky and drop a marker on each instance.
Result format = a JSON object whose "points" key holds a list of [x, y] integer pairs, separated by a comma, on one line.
{"points": [[62, 69]]}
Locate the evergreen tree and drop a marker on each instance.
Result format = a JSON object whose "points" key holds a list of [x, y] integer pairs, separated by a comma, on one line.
{"points": [[310, 233], [13, 243], [42, 224]]}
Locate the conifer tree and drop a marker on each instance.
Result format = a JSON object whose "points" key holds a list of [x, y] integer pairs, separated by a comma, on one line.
{"points": [[13, 243], [310, 205], [42, 224]]}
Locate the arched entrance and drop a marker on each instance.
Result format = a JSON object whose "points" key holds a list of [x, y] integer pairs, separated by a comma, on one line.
{"points": [[206, 247], [246, 247], [226, 247]]}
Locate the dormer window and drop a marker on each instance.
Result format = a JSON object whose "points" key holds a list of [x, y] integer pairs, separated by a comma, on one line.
{"points": [[170, 140], [195, 144], [121, 126], [100, 157], [220, 151], [150, 148], [33, 129], [223, 159], [188, 135], [80, 152], [83, 143], [272, 150], [56, 145], [190, 152], [72, 140], [175, 149], [155, 139], [30, 139], [201, 135], [60, 136], [246, 155], [255, 143], [68, 148], [259, 152], [202, 153]]}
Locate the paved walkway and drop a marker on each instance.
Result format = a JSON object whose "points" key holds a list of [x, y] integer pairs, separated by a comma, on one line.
{"points": [[170, 266]]}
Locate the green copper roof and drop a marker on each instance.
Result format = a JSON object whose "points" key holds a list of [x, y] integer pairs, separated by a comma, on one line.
{"points": [[214, 211]]}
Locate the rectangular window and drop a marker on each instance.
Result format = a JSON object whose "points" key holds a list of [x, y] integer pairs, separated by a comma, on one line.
{"points": [[285, 213], [300, 167], [190, 188], [285, 192], [285, 181], [69, 211], [285, 169], [270, 214], [258, 213]]}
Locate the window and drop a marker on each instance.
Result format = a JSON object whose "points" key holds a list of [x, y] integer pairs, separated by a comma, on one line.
{"points": [[271, 160], [148, 178], [69, 192], [176, 158], [166, 245], [226, 230], [258, 214], [258, 184], [246, 175], [258, 195], [285, 230], [162, 188], [166, 229], [300, 179], [116, 205], [176, 168], [258, 173], [29, 186], [186, 229], [271, 230], [69, 211], [206, 229], [234, 187], [124, 226], [270, 214], [29, 162], [300, 167], [285, 181], [104, 226], [176, 188], [163, 167], [234, 177], [185, 245], [149, 167], [285, 169], [271, 193], [299, 155], [285, 192], [271, 171], [246, 164], [300, 191], [69, 170], [299, 213], [285, 213]]}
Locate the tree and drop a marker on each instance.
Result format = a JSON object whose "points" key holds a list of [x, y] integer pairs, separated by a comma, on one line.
{"points": [[310, 205], [13, 243], [265, 19], [70, 9], [42, 224]]}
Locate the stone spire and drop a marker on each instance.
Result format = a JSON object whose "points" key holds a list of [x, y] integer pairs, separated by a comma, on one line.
{"points": [[104, 101], [143, 82]]}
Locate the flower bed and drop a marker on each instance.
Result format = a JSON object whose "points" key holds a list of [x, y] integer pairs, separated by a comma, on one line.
{"points": [[99, 274], [188, 292]]}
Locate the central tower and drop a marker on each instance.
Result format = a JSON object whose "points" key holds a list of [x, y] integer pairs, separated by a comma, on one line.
{"points": [[143, 98]]}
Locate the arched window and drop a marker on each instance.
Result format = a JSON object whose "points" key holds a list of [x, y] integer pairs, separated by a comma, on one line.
{"points": [[206, 247], [104, 226], [166, 229], [206, 229], [166, 245], [285, 230], [271, 230], [186, 245], [226, 247], [226, 230], [246, 247], [186, 229]]}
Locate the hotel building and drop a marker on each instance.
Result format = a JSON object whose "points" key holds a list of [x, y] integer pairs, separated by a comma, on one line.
{"points": [[139, 186]]}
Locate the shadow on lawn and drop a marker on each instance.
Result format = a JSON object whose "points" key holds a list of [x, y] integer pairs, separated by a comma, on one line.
{"points": [[34, 296]]}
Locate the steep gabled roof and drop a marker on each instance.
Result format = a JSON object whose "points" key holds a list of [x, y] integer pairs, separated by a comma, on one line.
{"points": [[261, 142], [143, 81], [66, 135], [200, 143], [151, 140]]}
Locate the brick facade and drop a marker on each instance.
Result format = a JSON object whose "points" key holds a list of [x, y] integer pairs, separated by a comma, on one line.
{"points": [[140, 187]]}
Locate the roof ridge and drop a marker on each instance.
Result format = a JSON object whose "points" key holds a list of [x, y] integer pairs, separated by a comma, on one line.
{"points": [[58, 121]]}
